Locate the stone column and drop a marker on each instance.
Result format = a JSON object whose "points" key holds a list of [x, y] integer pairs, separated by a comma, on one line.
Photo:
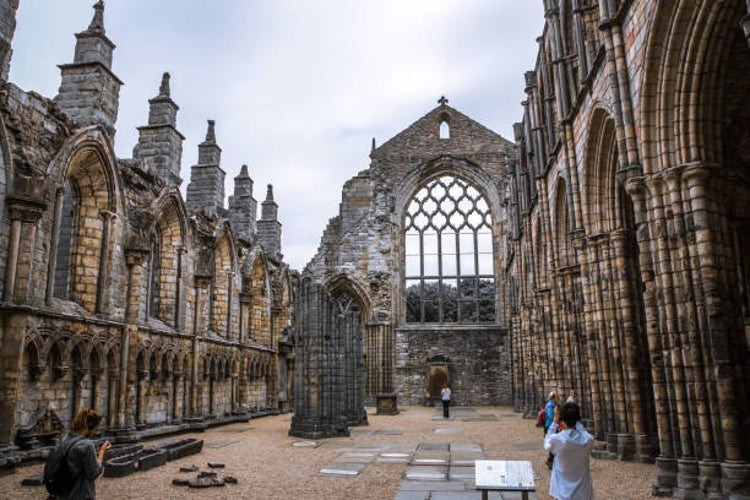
{"points": [[666, 463], [102, 283], [201, 285], [698, 184], [24, 214], [134, 259], [52, 262]]}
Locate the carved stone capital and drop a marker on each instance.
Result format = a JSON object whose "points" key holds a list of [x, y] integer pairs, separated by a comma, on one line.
{"points": [[136, 256], [25, 209]]}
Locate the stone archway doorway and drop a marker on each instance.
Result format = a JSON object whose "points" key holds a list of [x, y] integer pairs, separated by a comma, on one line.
{"points": [[438, 376]]}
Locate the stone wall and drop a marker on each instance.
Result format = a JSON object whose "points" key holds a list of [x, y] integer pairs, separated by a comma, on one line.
{"points": [[116, 294], [477, 361]]}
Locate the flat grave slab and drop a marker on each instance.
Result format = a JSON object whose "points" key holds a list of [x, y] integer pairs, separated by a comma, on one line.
{"points": [[306, 444], [461, 473], [433, 447], [410, 485], [394, 457], [218, 443], [448, 430], [430, 458], [427, 473], [356, 458], [341, 469], [465, 458], [388, 432], [468, 447]]}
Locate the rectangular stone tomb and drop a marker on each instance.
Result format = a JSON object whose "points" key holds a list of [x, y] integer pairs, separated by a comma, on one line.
{"points": [[342, 469], [142, 460], [182, 448], [427, 473]]}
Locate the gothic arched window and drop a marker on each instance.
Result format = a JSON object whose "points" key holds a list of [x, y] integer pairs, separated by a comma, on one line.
{"points": [[449, 268]]}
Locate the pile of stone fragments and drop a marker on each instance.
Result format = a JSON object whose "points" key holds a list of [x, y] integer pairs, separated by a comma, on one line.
{"points": [[204, 479]]}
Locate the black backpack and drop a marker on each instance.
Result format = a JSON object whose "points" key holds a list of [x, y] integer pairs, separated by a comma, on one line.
{"points": [[58, 478]]}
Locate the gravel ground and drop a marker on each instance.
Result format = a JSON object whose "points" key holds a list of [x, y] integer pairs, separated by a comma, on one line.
{"points": [[267, 465]]}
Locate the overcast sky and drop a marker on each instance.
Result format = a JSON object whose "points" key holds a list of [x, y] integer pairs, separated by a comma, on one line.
{"points": [[297, 88]]}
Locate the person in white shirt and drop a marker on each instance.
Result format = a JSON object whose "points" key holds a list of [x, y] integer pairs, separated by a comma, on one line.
{"points": [[445, 395], [571, 476]]}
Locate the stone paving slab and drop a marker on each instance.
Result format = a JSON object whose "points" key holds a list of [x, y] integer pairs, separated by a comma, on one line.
{"points": [[464, 495], [388, 432], [218, 444], [461, 473], [482, 417], [306, 444], [465, 458], [394, 457], [342, 469], [401, 447], [448, 430], [412, 495], [410, 485], [458, 447], [433, 447], [427, 473], [356, 458], [430, 458], [441, 417]]}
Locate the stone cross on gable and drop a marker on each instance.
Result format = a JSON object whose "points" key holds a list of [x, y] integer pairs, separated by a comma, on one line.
{"points": [[442, 101]]}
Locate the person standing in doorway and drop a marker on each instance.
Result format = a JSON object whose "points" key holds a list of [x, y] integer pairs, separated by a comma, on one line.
{"points": [[445, 395]]}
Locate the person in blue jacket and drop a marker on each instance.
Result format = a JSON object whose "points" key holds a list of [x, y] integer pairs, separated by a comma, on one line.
{"points": [[549, 418]]}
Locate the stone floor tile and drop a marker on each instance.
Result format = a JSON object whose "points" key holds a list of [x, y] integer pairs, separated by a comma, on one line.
{"points": [[342, 469], [448, 430], [414, 485], [427, 473], [461, 473], [412, 495]]}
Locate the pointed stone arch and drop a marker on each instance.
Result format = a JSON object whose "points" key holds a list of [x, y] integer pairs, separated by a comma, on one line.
{"points": [[87, 201], [169, 246], [223, 284]]}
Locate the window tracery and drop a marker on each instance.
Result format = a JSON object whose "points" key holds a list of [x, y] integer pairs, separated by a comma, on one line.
{"points": [[449, 255]]}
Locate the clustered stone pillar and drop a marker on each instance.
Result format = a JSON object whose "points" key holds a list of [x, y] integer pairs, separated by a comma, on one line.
{"points": [[328, 390]]}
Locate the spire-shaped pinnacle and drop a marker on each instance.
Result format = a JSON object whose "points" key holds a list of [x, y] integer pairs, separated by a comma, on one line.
{"points": [[243, 171], [97, 22], [373, 145], [164, 87], [210, 133], [269, 193]]}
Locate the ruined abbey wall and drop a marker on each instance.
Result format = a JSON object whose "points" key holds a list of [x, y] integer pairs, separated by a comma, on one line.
{"points": [[362, 254], [628, 270], [162, 313]]}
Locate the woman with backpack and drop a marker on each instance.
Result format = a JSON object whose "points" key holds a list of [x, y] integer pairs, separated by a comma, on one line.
{"points": [[78, 459]]}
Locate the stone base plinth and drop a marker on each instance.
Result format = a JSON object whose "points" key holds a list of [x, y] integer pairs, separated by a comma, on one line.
{"points": [[387, 404]]}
